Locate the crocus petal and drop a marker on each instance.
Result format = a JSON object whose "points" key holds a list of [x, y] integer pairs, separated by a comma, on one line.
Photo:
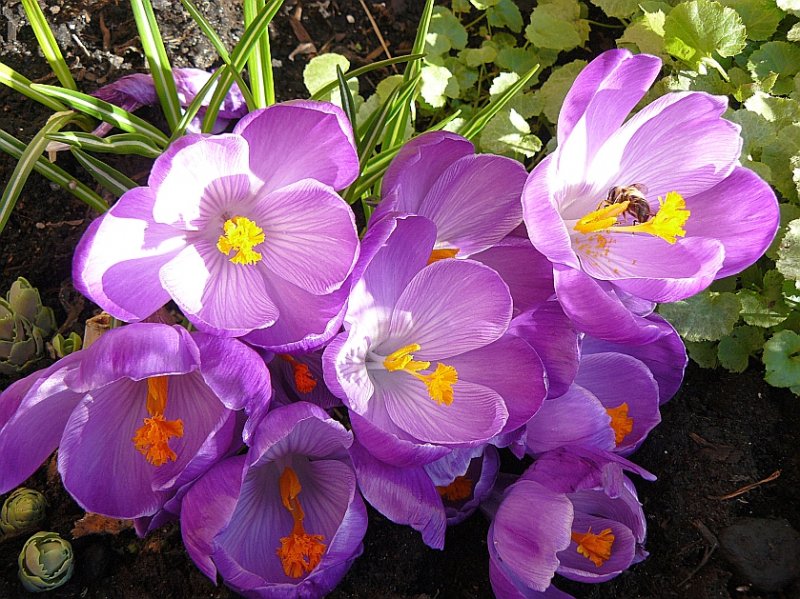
{"points": [[394, 447], [450, 307], [528, 546], [742, 212], [594, 308], [404, 495], [310, 235], [574, 418], [117, 259], [327, 153], [108, 418], [345, 371], [504, 587]]}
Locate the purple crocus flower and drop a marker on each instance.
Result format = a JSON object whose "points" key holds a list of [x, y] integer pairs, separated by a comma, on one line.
{"points": [[134, 91], [299, 378], [473, 199], [143, 411], [243, 230], [411, 365], [651, 209], [284, 520]]}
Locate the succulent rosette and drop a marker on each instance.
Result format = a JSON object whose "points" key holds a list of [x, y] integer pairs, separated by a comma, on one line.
{"points": [[244, 231], [473, 199], [411, 364], [651, 209], [284, 520], [148, 400]]}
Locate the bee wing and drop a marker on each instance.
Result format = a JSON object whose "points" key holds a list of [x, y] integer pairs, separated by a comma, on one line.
{"points": [[640, 186]]}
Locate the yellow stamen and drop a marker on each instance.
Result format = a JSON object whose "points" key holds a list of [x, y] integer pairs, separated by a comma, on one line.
{"points": [[622, 425], [667, 223], [459, 489], [596, 548], [442, 254], [299, 552], [242, 235], [152, 438], [304, 381], [439, 383]]}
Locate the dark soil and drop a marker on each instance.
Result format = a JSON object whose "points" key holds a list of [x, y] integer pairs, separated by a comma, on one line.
{"points": [[719, 434]]}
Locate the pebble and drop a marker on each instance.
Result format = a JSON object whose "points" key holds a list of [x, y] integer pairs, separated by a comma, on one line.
{"points": [[765, 552]]}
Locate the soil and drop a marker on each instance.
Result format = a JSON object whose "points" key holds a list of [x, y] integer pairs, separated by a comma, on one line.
{"points": [[719, 434]]}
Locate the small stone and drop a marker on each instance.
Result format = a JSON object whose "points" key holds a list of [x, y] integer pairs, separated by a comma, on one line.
{"points": [[766, 552], [350, 19]]}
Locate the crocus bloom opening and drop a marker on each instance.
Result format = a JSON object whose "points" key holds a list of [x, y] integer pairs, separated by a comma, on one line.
{"points": [[651, 209], [299, 552], [152, 438], [248, 236], [595, 547]]}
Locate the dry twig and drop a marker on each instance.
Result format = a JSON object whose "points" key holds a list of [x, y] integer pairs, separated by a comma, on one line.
{"points": [[747, 488], [711, 545], [377, 31]]}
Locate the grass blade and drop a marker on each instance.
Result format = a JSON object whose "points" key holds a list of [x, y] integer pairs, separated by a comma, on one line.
{"points": [[373, 66], [124, 143], [27, 161], [348, 104], [256, 62], [47, 42], [104, 111], [107, 176], [15, 148], [20, 83], [157, 61]]}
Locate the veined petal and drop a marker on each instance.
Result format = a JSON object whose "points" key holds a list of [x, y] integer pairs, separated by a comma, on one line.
{"points": [[310, 235], [300, 140], [386, 442], [578, 567], [345, 370]]}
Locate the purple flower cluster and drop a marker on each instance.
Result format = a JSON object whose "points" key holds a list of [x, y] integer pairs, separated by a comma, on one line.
{"points": [[450, 332]]}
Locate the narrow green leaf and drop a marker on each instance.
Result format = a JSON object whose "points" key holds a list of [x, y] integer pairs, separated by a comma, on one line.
{"points": [[475, 125], [20, 83], [255, 66], [104, 111], [124, 143], [47, 42], [239, 57], [373, 66], [15, 148], [107, 176], [157, 60], [374, 132], [27, 162], [348, 104]]}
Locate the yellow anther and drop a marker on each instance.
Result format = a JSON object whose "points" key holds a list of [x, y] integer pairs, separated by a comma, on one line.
{"points": [[241, 234], [402, 359], [601, 219], [299, 552], [596, 548], [439, 383], [458, 490], [620, 423]]}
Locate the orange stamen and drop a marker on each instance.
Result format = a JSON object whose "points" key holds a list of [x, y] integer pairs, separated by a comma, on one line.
{"points": [[442, 254], [596, 548], [622, 425], [459, 489], [299, 552], [304, 381], [152, 438]]}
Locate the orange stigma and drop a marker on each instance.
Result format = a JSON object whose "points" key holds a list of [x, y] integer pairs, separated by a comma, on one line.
{"points": [[459, 489], [596, 548], [304, 381], [152, 438], [442, 254], [622, 425], [299, 552]]}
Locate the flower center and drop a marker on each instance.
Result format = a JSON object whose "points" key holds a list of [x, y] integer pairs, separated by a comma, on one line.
{"points": [[299, 552], [439, 382], [667, 223], [596, 548], [304, 381], [442, 254], [622, 425], [152, 438], [241, 235], [459, 489]]}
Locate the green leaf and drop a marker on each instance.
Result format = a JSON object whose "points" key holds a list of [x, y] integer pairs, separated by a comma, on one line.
{"points": [[554, 90], [475, 57], [781, 58], [505, 13], [445, 33], [757, 131], [373, 66], [557, 24], [157, 61], [259, 63], [734, 351], [27, 162], [22, 84], [124, 143], [438, 83], [15, 148], [620, 9], [509, 134], [694, 31], [793, 35], [321, 70], [760, 312], [707, 316], [483, 4], [760, 17], [519, 60], [47, 43], [781, 111], [703, 352], [107, 176], [778, 157], [790, 6], [782, 359], [789, 212], [788, 263]]}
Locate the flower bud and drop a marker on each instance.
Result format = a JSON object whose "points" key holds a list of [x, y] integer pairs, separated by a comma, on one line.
{"points": [[45, 562], [22, 510]]}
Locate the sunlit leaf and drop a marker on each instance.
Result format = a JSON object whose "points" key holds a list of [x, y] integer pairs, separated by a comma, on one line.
{"points": [[707, 316], [782, 359], [557, 24], [734, 350]]}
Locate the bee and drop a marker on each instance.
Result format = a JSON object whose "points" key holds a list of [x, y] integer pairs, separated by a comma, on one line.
{"points": [[638, 208]]}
